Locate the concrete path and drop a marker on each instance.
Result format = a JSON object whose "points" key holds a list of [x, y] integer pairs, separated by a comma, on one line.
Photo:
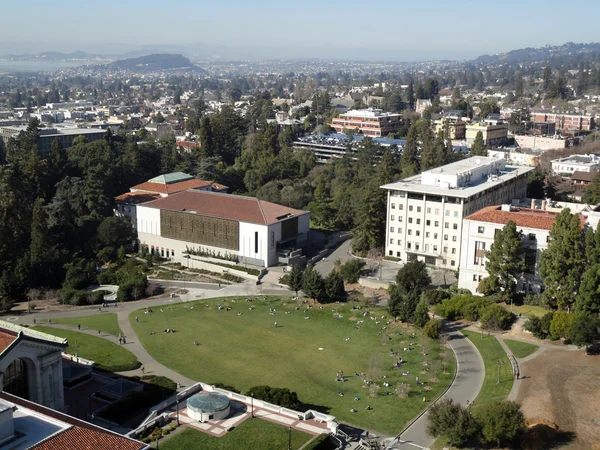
{"points": [[470, 372], [342, 253]]}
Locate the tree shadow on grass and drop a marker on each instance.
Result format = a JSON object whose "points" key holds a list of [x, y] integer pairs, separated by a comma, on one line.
{"points": [[542, 437], [320, 408]]}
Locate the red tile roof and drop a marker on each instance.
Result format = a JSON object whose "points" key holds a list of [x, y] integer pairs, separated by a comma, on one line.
{"points": [[171, 188], [6, 339], [137, 197], [522, 217], [583, 176], [76, 438], [225, 206], [188, 144]]}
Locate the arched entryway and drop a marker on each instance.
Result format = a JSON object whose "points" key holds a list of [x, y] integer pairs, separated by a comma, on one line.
{"points": [[16, 379]]}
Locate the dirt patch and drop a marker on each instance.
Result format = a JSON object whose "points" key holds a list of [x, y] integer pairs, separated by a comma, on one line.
{"points": [[561, 389]]}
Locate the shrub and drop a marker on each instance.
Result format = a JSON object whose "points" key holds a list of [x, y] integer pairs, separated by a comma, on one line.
{"points": [[533, 300], [453, 421], [435, 296], [466, 306], [500, 421], [432, 328], [278, 396], [227, 387], [495, 317], [560, 326], [108, 277]]}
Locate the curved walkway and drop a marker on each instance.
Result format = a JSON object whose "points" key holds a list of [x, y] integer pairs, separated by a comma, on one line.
{"points": [[470, 372]]}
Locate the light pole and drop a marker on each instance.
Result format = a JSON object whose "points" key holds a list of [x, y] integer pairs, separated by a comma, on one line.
{"points": [[289, 438], [177, 403]]}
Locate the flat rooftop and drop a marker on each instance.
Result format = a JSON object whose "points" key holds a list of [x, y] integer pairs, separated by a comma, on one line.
{"points": [[413, 184]]}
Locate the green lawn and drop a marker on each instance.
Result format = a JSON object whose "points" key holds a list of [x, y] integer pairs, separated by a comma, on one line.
{"points": [[256, 434], [520, 349], [107, 323], [105, 354], [527, 310], [300, 354], [492, 352]]}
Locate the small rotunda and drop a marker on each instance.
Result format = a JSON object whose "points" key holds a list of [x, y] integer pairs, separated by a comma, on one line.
{"points": [[205, 406]]}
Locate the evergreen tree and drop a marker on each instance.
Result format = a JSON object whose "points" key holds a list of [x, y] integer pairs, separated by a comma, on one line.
{"points": [[334, 286], [547, 77], [40, 250], [411, 280], [500, 421], [410, 154], [504, 259], [410, 95], [370, 232], [585, 330], [478, 148], [588, 298], [421, 314], [312, 283], [562, 263], [592, 193], [295, 279]]}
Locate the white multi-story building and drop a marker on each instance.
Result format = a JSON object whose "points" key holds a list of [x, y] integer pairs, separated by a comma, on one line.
{"points": [[479, 230], [425, 212], [576, 163], [255, 231]]}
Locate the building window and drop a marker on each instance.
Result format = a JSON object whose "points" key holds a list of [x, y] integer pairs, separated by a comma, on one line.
{"points": [[447, 213], [392, 218], [418, 233], [272, 239], [256, 242], [446, 225], [391, 253], [400, 219], [410, 220], [454, 250], [452, 263], [547, 239], [427, 234], [408, 245], [474, 277], [453, 238], [426, 247], [410, 208], [418, 221], [437, 211], [172, 252], [435, 235], [416, 246], [399, 230], [410, 232], [401, 207], [531, 237], [418, 209], [445, 237], [437, 224], [428, 222], [393, 206], [428, 210], [479, 253], [391, 229], [398, 254], [435, 247], [391, 241], [455, 213], [481, 230], [455, 226]]}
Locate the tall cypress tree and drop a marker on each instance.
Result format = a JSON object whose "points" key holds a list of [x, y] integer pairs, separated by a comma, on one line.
{"points": [[505, 262], [562, 263], [410, 154], [478, 148]]}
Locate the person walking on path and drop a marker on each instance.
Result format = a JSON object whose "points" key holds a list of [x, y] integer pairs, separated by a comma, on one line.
{"points": [[78, 326], [143, 371]]}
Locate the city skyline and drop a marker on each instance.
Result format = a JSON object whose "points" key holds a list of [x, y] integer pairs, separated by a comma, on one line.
{"points": [[337, 30]]}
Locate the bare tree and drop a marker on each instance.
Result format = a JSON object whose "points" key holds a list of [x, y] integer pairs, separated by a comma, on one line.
{"points": [[402, 389]]}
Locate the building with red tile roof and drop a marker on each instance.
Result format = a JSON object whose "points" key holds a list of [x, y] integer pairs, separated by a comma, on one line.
{"points": [[479, 230], [28, 425], [254, 230]]}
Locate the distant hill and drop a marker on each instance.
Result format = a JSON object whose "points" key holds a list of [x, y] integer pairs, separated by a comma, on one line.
{"points": [[539, 54], [159, 61]]}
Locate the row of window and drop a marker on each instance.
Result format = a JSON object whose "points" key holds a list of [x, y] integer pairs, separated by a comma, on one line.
{"points": [[436, 210], [418, 233], [417, 246]]}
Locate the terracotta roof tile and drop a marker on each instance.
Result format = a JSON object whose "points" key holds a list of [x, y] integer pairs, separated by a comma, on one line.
{"points": [[77, 438], [6, 339], [226, 206], [522, 217], [137, 197], [171, 188]]}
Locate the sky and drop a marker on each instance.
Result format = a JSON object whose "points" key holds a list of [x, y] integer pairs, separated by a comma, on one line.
{"points": [[397, 30]]}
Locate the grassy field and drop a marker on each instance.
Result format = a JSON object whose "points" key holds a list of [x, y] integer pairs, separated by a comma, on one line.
{"points": [[105, 354], [528, 311], [107, 323], [520, 349], [492, 352], [243, 348], [253, 433]]}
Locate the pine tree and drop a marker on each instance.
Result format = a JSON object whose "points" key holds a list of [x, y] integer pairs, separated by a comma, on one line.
{"points": [[504, 259], [592, 193], [411, 280], [295, 279], [312, 283], [207, 140], [410, 154], [421, 314], [334, 286], [562, 263], [478, 148]]}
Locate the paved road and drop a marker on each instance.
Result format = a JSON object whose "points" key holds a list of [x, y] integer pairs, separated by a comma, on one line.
{"points": [[470, 372], [342, 253]]}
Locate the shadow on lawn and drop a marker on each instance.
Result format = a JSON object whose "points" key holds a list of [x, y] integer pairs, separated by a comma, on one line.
{"points": [[319, 408], [542, 437]]}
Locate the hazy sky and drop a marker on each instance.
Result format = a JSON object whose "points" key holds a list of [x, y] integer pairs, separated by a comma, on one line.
{"points": [[380, 29]]}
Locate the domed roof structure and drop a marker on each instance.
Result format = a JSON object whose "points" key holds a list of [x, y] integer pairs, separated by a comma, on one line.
{"points": [[208, 402]]}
